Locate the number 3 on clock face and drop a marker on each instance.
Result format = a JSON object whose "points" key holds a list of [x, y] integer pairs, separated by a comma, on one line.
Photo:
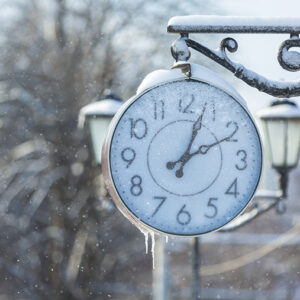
{"points": [[182, 158]]}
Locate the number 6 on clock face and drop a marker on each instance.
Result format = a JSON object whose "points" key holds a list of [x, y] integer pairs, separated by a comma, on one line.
{"points": [[182, 158]]}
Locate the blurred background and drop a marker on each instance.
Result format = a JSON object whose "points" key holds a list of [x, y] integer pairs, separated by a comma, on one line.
{"points": [[60, 235]]}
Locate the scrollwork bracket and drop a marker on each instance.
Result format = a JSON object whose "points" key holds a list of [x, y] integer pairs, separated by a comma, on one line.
{"points": [[288, 59]]}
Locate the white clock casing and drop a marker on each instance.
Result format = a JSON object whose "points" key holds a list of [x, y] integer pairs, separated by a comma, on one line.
{"points": [[182, 157]]}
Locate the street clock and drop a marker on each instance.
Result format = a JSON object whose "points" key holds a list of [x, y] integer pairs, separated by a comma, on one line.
{"points": [[182, 157]]}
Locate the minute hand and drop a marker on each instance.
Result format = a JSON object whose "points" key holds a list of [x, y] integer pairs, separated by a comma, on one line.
{"points": [[203, 149], [197, 125]]}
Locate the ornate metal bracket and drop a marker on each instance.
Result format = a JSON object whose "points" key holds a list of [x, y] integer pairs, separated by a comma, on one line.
{"points": [[289, 60]]}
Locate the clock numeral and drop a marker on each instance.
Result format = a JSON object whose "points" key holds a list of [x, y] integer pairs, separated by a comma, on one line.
{"points": [[163, 199], [214, 209], [128, 155], [183, 217], [159, 110], [136, 188], [186, 108], [233, 190], [138, 128], [242, 155], [214, 111], [235, 127]]}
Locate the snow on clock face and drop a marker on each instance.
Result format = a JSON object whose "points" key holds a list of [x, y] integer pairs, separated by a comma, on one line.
{"points": [[183, 158]]}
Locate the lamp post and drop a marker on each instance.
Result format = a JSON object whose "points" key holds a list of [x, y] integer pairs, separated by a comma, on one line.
{"points": [[99, 114], [281, 132]]}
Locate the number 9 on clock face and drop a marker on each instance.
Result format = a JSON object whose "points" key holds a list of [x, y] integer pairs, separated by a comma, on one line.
{"points": [[182, 158]]}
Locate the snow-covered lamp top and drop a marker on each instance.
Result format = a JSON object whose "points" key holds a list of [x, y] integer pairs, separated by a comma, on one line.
{"points": [[104, 107], [280, 109]]}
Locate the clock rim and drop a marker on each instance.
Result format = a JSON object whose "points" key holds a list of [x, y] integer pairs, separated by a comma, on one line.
{"points": [[106, 167]]}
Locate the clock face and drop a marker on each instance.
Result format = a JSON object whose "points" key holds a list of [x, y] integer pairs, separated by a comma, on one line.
{"points": [[184, 158]]}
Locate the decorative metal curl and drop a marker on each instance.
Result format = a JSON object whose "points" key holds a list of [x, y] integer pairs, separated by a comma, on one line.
{"points": [[230, 44], [289, 60]]}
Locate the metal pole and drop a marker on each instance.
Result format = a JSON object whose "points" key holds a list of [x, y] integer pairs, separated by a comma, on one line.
{"points": [[160, 279], [195, 268]]}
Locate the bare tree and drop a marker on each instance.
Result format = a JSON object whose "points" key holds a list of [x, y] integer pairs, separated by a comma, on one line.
{"points": [[59, 237]]}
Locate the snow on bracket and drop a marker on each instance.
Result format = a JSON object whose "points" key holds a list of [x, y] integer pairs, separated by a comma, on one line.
{"points": [[233, 24]]}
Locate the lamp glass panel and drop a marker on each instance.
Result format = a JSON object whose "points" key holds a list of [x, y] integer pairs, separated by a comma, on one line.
{"points": [[266, 140], [293, 142], [98, 129], [276, 130]]}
